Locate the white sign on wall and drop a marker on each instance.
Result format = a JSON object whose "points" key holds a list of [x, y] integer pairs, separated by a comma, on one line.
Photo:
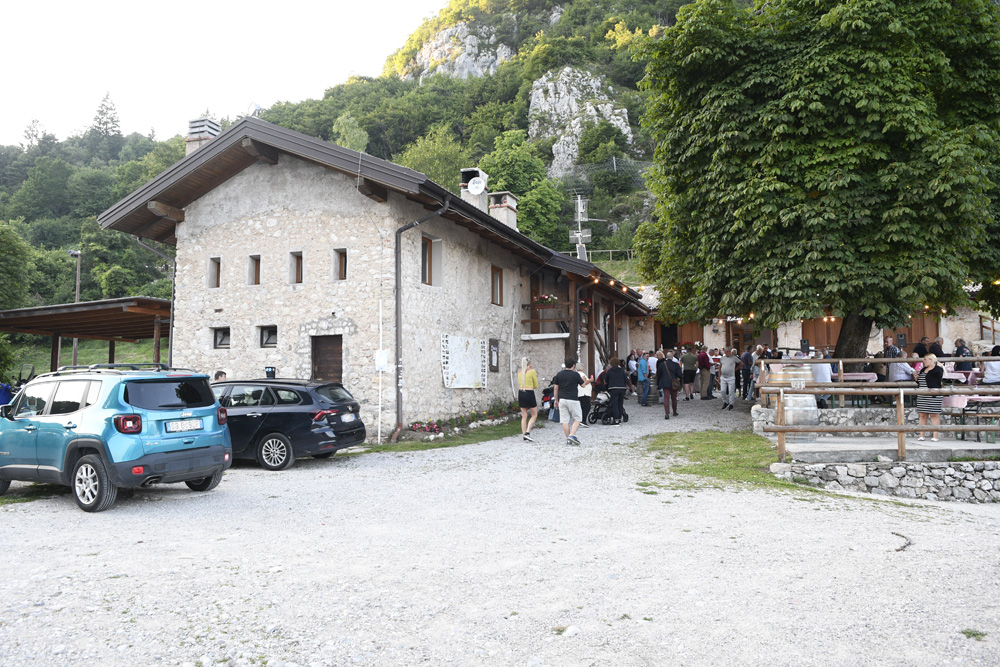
{"points": [[464, 362]]}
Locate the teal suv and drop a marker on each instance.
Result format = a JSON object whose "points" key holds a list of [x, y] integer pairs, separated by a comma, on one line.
{"points": [[101, 428]]}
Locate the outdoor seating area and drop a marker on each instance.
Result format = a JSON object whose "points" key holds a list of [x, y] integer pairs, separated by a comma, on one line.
{"points": [[970, 408]]}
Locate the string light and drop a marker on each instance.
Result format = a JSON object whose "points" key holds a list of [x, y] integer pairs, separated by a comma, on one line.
{"points": [[612, 283]]}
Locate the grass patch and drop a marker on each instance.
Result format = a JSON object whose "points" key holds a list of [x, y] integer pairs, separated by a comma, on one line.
{"points": [[88, 352], [33, 492], [740, 456], [470, 437], [974, 634]]}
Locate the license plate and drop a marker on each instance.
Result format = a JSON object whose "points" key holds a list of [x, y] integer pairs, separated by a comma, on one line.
{"points": [[347, 418], [186, 425]]}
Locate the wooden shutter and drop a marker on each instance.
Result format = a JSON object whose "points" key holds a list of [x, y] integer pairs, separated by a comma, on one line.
{"points": [[328, 358]]}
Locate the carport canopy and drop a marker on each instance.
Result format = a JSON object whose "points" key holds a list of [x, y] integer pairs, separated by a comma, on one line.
{"points": [[128, 319]]}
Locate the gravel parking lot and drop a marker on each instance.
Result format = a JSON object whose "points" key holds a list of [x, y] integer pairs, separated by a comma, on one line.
{"points": [[501, 553]]}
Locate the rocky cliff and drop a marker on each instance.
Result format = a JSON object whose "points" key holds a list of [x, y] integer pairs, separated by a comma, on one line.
{"points": [[562, 103], [460, 51]]}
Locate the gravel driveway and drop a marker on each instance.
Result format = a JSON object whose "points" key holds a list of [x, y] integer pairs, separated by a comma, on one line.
{"points": [[502, 553]]}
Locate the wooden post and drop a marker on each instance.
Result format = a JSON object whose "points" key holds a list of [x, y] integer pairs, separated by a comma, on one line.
{"points": [[591, 316], [55, 352], [901, 436], [156, 340], [111, 351], [573, 349], [781, 422], [840, 378]]}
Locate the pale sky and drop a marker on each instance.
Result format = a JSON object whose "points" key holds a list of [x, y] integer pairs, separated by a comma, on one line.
{"points": [[165, 63]]}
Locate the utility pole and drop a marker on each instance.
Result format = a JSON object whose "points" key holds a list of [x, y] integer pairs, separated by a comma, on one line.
{"points": [[78, 254]]}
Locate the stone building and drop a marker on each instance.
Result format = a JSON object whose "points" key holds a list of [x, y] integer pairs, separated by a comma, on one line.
{"points": [[320, 262]]}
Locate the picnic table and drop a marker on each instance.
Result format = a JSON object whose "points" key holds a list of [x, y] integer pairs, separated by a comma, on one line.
{"points": [[972, 411]]}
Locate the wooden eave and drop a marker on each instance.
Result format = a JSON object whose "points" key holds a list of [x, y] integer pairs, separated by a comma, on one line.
{"points": [[127, 319]]}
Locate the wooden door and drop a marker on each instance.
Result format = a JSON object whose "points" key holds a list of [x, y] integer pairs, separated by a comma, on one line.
{"points": [[920, 326], [328, 358], [822, 334]]}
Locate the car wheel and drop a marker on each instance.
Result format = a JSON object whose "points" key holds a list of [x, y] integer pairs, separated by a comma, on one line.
{"points": [[274, 452], [92, 489], [205, 483], [324, 455], [4, 485]]}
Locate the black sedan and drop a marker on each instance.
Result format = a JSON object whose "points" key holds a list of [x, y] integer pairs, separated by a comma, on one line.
{"points": [[276, 420]]}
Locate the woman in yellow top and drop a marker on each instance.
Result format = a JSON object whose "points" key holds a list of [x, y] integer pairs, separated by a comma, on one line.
{"points": [[527, 382]]}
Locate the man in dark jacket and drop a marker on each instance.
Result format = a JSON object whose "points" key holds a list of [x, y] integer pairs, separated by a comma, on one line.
{"points": [[616, 388]]}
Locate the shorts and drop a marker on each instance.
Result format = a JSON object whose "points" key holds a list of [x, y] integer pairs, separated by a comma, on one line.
{"points": [[689, 377], [526, 399], [569, 411]]}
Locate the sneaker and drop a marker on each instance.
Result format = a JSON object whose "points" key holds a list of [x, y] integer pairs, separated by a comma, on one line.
{"points": [[527, 437], [634, 393], [666, 416], [934, 439], [585, 424], [676, 415], [724, 406], [921, 438], [573, 440], [730, 406]]}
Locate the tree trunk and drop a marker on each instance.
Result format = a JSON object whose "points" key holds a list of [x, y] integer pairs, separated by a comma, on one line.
{"points": [[853, 340]]}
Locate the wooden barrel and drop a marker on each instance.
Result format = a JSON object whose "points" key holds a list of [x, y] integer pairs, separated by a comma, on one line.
{"points": [[800, 409]]}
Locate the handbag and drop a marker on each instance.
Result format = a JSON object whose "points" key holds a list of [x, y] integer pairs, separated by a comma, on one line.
{"points": [[554, 414], [675, 382]]}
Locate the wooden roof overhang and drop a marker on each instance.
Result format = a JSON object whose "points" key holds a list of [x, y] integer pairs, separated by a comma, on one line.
{"points": [[126, 320], [154, 210]]}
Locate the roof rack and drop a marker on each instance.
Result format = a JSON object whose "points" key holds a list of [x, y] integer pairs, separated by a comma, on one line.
{"points": [[112, 369]]}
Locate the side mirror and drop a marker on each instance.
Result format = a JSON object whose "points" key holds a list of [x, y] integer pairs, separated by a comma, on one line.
{"points": [[7, 411]]}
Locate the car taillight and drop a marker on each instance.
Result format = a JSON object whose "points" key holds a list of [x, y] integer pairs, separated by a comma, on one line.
{"points": [[320, 415], [223, 416], [128, 423]]}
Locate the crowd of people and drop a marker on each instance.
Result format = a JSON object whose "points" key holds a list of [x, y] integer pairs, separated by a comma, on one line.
{"points": [[691, 373], [663, 377]]}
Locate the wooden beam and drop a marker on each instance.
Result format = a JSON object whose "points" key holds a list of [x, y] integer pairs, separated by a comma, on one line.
{"points": [[54, 353], [262, 152], [146, 311], [373, 190], [156, 341], [161, 210], [111, 352]]}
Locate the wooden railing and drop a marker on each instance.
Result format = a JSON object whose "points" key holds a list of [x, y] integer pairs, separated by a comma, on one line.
{"points": [[553, 318], [988, 325], [844, 389]]}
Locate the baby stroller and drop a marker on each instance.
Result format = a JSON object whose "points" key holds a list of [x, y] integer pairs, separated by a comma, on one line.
{"points": [[600, 409]]}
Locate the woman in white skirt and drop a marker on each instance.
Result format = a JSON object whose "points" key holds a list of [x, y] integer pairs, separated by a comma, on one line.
{"points": [[929, 407]]}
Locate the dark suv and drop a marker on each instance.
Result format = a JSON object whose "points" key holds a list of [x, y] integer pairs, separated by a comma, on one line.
{"points": [[100, 428], [276, 420]]}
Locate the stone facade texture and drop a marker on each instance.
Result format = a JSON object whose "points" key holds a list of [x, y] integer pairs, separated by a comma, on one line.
{"points": [[297, 207], [296, 221]]}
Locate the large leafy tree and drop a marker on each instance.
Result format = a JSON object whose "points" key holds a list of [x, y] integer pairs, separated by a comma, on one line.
{"points": [[16, 267], [824, 155], [439, 156]]}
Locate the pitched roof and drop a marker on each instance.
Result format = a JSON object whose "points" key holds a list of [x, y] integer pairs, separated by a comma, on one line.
{"points": [[142, 213]]}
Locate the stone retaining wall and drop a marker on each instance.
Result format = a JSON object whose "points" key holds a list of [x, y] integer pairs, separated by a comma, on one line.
{"points": [[848, 417], [973, 482]]}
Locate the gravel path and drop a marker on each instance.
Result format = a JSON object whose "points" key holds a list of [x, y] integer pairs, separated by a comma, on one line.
{"points": [[502, 553]]}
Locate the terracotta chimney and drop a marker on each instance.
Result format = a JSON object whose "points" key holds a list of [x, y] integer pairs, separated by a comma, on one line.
{"points": [[503, 207]]}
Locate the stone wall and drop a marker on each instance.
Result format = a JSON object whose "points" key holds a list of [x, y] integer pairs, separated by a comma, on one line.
{"points": [[874, 416], [974, 482], [299, 207]]}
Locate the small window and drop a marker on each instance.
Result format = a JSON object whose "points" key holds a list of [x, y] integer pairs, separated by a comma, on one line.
{"points": [[496, 290], [215, 272], [340, 264], [69, 397], [253, 270], [430, 261], [34, 400], [295, 268], [248, 396], [287, 397], [426, 261], [269, 336], [220, 338]]}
